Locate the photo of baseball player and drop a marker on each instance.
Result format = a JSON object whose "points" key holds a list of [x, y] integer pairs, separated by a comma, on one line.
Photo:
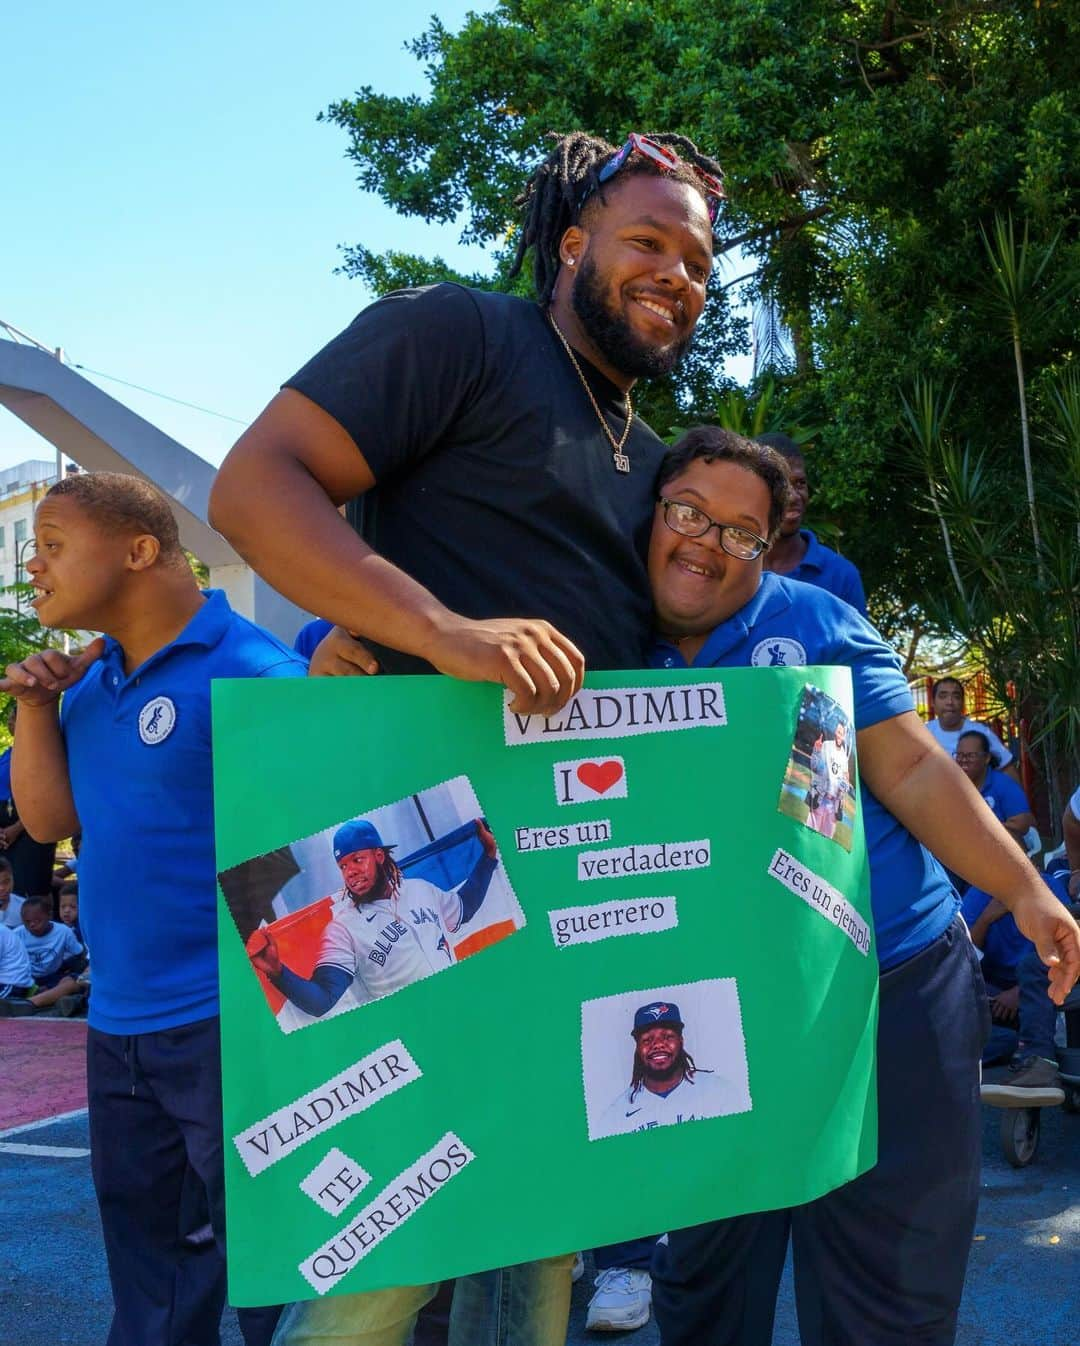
{"points": [[398, 911], [819, 783], [662, 1081]]}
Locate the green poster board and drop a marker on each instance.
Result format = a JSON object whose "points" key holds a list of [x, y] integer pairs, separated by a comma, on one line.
{"points": [[493, 1085]]}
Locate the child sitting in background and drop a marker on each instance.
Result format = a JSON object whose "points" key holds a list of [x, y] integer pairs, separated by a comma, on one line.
{"points": [[56, 956], [67, 907], [16, 979], [10, 903]]}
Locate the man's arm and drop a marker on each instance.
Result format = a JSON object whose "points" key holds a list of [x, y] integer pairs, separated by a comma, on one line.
{"points": [[40, 779], [316, 995], [275, 498], [935, 801]]}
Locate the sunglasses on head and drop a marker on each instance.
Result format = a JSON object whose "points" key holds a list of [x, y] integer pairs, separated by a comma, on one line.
{"points": [[667, 160]]}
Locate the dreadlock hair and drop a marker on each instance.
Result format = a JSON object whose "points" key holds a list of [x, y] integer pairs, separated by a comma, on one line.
{"points": [[637, 1076], [568, 178]]}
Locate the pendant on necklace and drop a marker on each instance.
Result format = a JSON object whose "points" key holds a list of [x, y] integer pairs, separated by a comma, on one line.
{"points": [[622, 462]]}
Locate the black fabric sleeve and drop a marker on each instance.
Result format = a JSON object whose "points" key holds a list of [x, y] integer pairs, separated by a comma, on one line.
{"points": [[399, 374]]}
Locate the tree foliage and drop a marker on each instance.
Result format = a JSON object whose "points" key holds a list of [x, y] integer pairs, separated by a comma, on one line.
{"points": [[871, 151]]}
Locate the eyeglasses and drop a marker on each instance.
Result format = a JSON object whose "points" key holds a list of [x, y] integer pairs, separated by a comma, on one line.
{"points": [[693, 522], [969, 756], [666, 159]]}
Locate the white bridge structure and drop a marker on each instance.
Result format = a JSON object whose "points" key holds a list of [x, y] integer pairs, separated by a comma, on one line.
{"points": [[100, 434]]}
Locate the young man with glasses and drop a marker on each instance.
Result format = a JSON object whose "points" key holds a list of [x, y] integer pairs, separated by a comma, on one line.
{"points": [[882, 1258], [507, 489]]}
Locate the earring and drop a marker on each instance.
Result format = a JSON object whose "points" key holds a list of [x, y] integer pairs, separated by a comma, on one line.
{"points": [[569, 261]]}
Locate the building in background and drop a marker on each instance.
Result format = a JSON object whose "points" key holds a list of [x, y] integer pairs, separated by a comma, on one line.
{"points": [[21, 487]]}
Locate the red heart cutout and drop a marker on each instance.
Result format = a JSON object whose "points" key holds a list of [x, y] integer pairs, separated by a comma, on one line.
{"points": [[599, 776]]}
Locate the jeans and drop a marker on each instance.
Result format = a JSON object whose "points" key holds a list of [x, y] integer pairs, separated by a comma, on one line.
{"points": [[155, 1146], [1038, 1013], [879, 1261], [526, 1305]]}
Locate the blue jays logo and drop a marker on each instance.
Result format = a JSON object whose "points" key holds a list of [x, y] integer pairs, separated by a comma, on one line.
{"points": [[778, 652], [658, 1010], [157, 720]]}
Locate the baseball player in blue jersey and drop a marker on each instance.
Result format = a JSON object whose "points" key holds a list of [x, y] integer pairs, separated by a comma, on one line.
{"points": [[386, 930], [666, 1087]]}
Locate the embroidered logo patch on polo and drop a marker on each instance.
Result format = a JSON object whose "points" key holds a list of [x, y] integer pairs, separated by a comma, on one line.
{"points": [[778, 652], [156, 720]]}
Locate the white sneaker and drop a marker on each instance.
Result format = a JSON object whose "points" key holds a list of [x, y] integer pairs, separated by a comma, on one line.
{"points": [[623, 1300], [578, 1269]]}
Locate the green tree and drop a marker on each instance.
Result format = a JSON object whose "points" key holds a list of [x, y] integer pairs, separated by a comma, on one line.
{"points": [[865, 147]]}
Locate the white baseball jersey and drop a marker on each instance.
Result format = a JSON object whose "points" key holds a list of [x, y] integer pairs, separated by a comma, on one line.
{"points": [[830, 768], [387, 944], [706, 1095]]}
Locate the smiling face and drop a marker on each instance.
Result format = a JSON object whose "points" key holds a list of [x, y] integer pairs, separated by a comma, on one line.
{"points": [[643, 257], [360, 870], [696, 585], [76, 566], [972, 757], [659, 1051]]}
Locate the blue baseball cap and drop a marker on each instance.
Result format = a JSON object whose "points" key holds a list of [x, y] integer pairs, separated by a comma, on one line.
{"points": [[357, 835], [659, 1012]]}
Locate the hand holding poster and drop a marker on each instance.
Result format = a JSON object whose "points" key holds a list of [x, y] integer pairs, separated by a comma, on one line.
{"points": [[438, 1034]]}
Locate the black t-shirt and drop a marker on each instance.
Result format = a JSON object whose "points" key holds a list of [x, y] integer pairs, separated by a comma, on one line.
{"points": [[495, 486]]}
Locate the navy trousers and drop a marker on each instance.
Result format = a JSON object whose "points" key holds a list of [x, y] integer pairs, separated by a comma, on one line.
{"points": [[155, 1129], [881, 1260]]}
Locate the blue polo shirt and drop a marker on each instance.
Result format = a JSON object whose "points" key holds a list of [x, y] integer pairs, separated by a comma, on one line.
{"points": [[1005, 797], [792, 623], [138, 751], [827, 569]]}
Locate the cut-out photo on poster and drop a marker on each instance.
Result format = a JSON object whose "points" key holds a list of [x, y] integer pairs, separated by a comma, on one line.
{"points": [[662, 1056], [819, 782], [376, 902]]}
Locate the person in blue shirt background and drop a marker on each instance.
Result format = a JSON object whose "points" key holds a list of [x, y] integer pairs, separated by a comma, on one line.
{"points": [[882, 1258], [796, 552], [1006, 799], [1004, 949], [125, 759]]}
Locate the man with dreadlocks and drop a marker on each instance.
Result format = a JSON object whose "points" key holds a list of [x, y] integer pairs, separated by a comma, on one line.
{"points": [[666, 1087], [386, 931], [505, 490]]}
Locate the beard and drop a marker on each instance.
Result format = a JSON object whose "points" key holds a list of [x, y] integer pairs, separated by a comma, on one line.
{"points": [[613, 336], [651, 1073]]}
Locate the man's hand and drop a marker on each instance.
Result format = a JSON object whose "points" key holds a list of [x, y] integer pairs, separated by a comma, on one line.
{"points": [[40, 679], [1005, 1006], [1042, 918], [537, 664], [340, 655], [262, 949], [487, 839]]}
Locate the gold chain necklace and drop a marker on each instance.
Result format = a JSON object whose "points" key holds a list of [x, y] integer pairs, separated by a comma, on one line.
{"points": [[620, 459]]}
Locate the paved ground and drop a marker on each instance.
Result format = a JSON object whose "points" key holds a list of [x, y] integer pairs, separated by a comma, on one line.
{"points": [[1022, 1286]]}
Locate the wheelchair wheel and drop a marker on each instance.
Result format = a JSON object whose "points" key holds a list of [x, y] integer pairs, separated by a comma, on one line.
{"points": [[1020, 1135]]}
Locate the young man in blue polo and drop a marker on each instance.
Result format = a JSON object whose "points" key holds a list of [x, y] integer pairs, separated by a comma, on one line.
{"points": [[796, 552], [124, 758], [880, 1260]]}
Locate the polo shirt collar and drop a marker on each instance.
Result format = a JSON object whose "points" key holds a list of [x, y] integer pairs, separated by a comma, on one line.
{"points": [[769, 601], [206, 628]]}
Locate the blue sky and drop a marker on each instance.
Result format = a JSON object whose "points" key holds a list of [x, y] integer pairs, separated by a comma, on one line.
{"points": [[172, 206]]}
